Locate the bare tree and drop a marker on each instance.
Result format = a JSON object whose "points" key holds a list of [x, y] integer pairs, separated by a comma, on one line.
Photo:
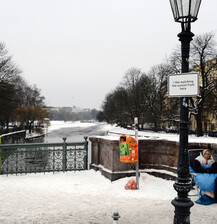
{"points": [[8, 69], [133, 82], [204, 55], [157, 93], [115, 107], [175, 60], [139, 95], [9, 74], [16, 96]]}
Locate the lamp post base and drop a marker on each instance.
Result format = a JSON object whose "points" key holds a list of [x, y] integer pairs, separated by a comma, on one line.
{"points": [[182, 210]]}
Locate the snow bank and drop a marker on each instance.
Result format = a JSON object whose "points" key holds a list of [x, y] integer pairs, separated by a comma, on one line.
{"points": [[55, 125], [87, 197], [115, 132], [91, 183]]}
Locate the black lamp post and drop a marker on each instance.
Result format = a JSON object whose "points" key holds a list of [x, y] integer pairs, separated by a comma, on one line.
{"points": [[185, 12]]}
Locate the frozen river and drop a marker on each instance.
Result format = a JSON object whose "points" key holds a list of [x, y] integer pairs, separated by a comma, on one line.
{"points": [[75, 133]]}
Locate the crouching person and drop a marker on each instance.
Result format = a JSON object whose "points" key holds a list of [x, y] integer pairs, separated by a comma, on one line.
{"points": [[205, 159], [199, 166]]}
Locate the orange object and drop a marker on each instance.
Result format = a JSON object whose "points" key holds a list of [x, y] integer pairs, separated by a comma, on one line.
{"points": [[128, 149], [130, 185]]}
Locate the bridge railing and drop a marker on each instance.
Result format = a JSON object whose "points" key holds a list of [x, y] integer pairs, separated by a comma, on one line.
{"points": [[43, 157]]}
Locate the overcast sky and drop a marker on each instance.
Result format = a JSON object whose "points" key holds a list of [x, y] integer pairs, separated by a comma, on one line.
{"points": [[77, 51]]}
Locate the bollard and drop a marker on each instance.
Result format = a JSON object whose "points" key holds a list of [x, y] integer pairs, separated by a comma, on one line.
{"points": [[115, 217]]}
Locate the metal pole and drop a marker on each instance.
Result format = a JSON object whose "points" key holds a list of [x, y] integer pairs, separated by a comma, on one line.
{"points": [[64, 154], [86, 151], [137, 163], [0, 156], [182, 203]]}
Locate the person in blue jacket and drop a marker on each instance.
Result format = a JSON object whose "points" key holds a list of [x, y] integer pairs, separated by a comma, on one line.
{"points": [[206, 159]]}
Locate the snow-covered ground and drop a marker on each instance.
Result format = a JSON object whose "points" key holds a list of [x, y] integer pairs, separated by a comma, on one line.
{"points": [[69, 124], [88, 197]]}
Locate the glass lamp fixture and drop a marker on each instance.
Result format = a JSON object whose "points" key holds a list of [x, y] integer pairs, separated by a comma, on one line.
{"points": [[185, 11]]}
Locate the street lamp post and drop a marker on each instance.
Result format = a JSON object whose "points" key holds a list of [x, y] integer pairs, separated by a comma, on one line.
{"points": [[185, 12]]}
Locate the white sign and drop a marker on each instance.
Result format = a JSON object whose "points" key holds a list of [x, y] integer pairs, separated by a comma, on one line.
{"points": [[183, 85]]}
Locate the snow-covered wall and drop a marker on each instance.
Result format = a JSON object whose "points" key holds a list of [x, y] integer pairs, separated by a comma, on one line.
{"points": [[153, 154], [13, 137]]}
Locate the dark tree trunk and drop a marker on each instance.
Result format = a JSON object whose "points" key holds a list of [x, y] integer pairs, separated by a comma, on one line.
{"points": [[155, 123], [199, 122]]}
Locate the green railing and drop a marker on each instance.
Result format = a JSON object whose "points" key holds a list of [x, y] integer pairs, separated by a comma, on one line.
{"points": [[43, 157]]}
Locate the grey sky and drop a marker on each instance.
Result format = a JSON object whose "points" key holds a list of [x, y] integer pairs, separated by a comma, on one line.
{"points": [[76, 51]]}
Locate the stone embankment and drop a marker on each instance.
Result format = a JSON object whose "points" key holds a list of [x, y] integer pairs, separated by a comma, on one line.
{"points": [[157, 157]]}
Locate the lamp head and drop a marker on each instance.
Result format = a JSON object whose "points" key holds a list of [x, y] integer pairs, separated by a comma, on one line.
{"points": [[185, 11]]}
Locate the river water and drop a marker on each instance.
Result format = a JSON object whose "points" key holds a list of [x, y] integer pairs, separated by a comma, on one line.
{"points": [[74, 134]]}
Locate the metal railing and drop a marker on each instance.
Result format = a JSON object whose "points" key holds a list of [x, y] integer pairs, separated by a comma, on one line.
{"points": [[43, 157]]}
